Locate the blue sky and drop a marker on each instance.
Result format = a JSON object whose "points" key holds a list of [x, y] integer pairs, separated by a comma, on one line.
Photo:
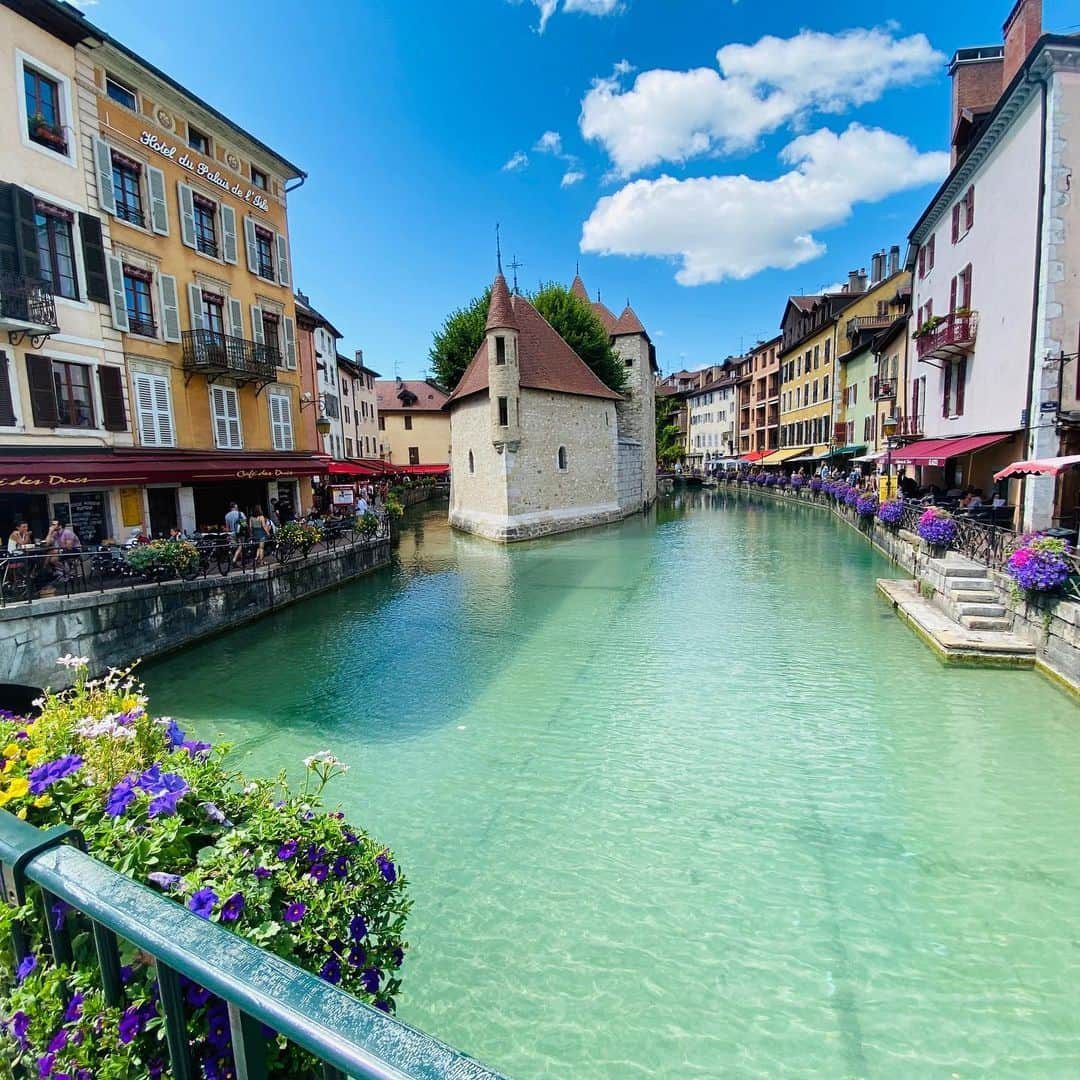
{"points": [[405, 115]]}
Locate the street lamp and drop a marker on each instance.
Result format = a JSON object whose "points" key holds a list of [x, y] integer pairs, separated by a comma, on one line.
{"points": [[323, 424], [888, 426]]}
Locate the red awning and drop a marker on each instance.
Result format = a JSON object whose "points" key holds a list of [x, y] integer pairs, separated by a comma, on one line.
{"points": [[938, 451], [352, 468], [1053, 466], [756, 455], [134, 468], [421, 470]]}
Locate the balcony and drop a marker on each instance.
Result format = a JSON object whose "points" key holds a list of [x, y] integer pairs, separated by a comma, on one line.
{"points": [[221, 355], [952, 336], [867, 324], [885, 391], [27, 309], [141, 324], [911, 426]]}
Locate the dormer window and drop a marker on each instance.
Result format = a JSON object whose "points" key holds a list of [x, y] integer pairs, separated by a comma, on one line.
{"points": [[500, 350]]}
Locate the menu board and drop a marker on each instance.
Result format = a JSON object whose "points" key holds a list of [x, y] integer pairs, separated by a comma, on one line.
{"points": [[87, 510]]}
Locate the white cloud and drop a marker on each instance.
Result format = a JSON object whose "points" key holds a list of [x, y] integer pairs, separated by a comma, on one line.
{"points": [[571, 177], [517, 161], [624, 67], [677, 115], [547, 8], [733, 226], [549, 143]]}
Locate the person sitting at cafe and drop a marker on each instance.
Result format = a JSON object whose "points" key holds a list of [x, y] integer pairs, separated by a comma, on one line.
{"points": [[20, 537], [971, 498], [68, 540]]}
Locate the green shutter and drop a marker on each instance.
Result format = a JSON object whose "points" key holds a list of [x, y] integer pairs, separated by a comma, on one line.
{"points": [[7, 404], [26, 241], [170, 307], [114, 413], [290, 342], [159, 206], [228, 234], [42, 393], [103, 169], [116, 297], [249, 243], [283, 259], [187, 214], [97, 281]]}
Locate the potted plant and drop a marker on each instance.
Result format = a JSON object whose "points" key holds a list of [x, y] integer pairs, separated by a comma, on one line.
{"points": [[866, 505], [44, 132], [1039, 565], [891, 512], [938, 528]]}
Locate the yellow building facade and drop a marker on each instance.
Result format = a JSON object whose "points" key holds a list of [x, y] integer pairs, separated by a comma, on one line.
{"points": [[414, 429]]}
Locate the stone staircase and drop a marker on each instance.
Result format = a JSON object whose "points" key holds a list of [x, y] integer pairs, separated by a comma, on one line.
{"points": [[971, 597]]}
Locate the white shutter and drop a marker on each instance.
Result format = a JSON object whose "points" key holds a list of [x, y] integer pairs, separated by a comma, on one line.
{"points": [[252, 247], [170, 307], [153, 409], [257, 325], [236, 317], [228, 234], [103, 168], [226, 415], [290, 342], [159, 206], [117, 296], [283, 259], [187, 214], [281, 422], [195, 307]]}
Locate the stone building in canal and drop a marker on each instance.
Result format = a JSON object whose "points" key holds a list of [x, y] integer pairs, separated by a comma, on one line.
{"points": [[538, 444]]}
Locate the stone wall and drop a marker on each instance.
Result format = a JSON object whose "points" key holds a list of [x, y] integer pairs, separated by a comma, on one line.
{"points": [[637, 413], [631, 489], [114, 628]]}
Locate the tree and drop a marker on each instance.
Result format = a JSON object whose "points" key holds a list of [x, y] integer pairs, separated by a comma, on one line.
{"points": [[462, 333], [669, 444]]}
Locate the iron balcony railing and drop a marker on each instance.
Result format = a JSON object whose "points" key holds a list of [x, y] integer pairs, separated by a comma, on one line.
{"points": [[954, 335], [143, 325], [885, 390], [26, 304], [348, 1037], [909, 425], [130, 213], [210, 353]]}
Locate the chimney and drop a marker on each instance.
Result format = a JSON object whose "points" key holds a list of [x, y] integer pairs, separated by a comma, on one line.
{"points": [[877, 267], [853, 281], [359, 357], [1021, 30], [976, 87], [894, 259]]}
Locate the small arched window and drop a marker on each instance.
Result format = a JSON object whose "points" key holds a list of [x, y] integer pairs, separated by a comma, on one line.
{"points": [[472, 464], [562, 459]]}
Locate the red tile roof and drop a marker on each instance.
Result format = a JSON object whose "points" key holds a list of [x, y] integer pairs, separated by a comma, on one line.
{"points": [[545, 361], [500, 310], [429, 397], [577, 287], [605, 315], [628, 323]]}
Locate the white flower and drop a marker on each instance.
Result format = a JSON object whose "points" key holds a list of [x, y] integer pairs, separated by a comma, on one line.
{"points": [[323, 757], [71, 660]]}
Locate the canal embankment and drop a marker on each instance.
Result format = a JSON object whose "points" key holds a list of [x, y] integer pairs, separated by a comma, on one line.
{"points": [[1046, 631], [115, 627]]}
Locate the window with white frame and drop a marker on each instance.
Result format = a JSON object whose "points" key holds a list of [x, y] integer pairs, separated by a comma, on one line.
{"points": [[153, 407], [45, 97], [281, 432], [225, 412]]}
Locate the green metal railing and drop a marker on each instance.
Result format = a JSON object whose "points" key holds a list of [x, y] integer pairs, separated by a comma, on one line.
{"points": [[347, 1036]]}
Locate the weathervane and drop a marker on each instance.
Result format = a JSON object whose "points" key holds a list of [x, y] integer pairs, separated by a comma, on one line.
{"points": [[515, 266], [498, 247]]}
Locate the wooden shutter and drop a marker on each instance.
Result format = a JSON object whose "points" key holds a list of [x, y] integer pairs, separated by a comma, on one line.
{"points": [[914, 402], [103, 169], [114, 414], [281, 422], [7, 403], [252, 247], [93, 249], [117, 296], [170, 307], [159, 205], [236, 317], [922, 262], [228, 234], [226, 415], [42, 393], [187, 214], [195, 308], [961, 379], [283, 259], [952, 294], [152, 404], [947, 392], [930, 256], [966, 275], [970, 206], [956, 223], [26, 241], [257, 325], [290, 342], [9, 251]]}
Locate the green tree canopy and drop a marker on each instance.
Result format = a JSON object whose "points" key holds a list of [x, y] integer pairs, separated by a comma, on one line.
{"points": [[669, 444], [462, 333]]}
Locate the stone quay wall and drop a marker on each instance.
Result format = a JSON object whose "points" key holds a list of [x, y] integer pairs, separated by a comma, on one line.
{"points": [[115, 627], [1052, 624]]}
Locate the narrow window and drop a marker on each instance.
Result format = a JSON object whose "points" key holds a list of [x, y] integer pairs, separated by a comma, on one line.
{"points": [[126, 189], [140, 307], [55, 249], [214, 313], [504, 413], [44, 123], [562, 459], [408, 423], [198, 141], [271, 335], [500, 350], [264, 247], [74, 400], [414, 455], [382, 423], [472, 463], [205, 225], [120, 92], [629, 361], [259, 178]]}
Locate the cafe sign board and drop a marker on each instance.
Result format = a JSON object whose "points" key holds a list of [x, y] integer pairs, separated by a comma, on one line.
{"points": [[202, 169], [53, 480]]}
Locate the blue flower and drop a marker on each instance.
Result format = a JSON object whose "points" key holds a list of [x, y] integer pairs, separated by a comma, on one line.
{"points": [[341, 866], [358, 927], [231, 909], [74, 1009], [357, 956], [202, 903], [26, 965], [59, 912], [387, 869], [173, 734], [295, 912], [131, 1023], [120, 797], [369, 979], [165, 882], [261, 873], [195, 748], [319, 871], [212, 812], [331, 971], [287, 850], [45, 1065], [58, 1042], [46, 774]]}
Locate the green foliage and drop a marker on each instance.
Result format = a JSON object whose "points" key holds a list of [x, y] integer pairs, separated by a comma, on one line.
{"points": [[669, 445], [300, 534], [367, 524], [394, 506], [177, 556], [575, 321], [263, 859]]}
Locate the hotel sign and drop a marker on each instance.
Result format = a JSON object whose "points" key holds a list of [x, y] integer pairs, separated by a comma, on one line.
{"points": [[207, 172]]}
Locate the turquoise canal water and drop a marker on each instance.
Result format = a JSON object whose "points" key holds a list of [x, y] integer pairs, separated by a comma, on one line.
{"points": [[681, 797]]}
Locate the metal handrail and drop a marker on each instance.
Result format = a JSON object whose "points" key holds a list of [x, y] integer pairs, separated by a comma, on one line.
{"points": [[27, 300], [349, 1037], [208, 351]]}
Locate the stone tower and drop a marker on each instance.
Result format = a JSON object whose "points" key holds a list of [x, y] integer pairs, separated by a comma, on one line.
{"points": [[504, 373], [637, 413]]}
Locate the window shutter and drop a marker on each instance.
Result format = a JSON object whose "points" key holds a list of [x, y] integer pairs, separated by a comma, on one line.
{"points": [[236, 317], [922, 262], [9, 252], [159, 205], [42, 394], [7, 404], [26, 241], [117, 297], [914, 401], [290, 342], [232, 404], [228, 233], [170, 307], [956, 223], [249, 243], [103, 168], [93, 248], [967, 286], [930, 257], [952, 294], [283, 259], [111, 380], [947, 392], [187, 214], [281, 422], [970, 200], [226, 414], [257, 325], [961, 379], [163, 411], [152, 407], [195, 307]]}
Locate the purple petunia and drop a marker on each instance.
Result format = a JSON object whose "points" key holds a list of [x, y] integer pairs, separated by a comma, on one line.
{"points": [[166, 882], [58, 1042], [287, 850], [387, 869], [319, 871], [331, 971], [195, 748], [341, 866], [295, 912], [45, 1065], [369, 979], [168, 790], [212, 812], [261, 872], [74, 1009], [131, 1023], [357, 956], [358, 927], [232, 908], [58, 911], [26, 965], [202, 903], [44, 775], [120, 798], [173, 734]]}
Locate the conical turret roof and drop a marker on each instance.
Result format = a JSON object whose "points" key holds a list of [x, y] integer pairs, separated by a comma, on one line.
{"points": [[500, 310], [628, 323], [577, 287]]}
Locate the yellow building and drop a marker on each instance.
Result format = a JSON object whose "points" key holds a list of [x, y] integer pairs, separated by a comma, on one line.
{"points": [[414, 430]]}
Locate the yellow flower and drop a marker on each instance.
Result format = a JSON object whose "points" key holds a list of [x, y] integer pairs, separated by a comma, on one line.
{"points": [[8, 765], [18, 787], [21, 814], [11, 750], [42, 801], [35, 755]]}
